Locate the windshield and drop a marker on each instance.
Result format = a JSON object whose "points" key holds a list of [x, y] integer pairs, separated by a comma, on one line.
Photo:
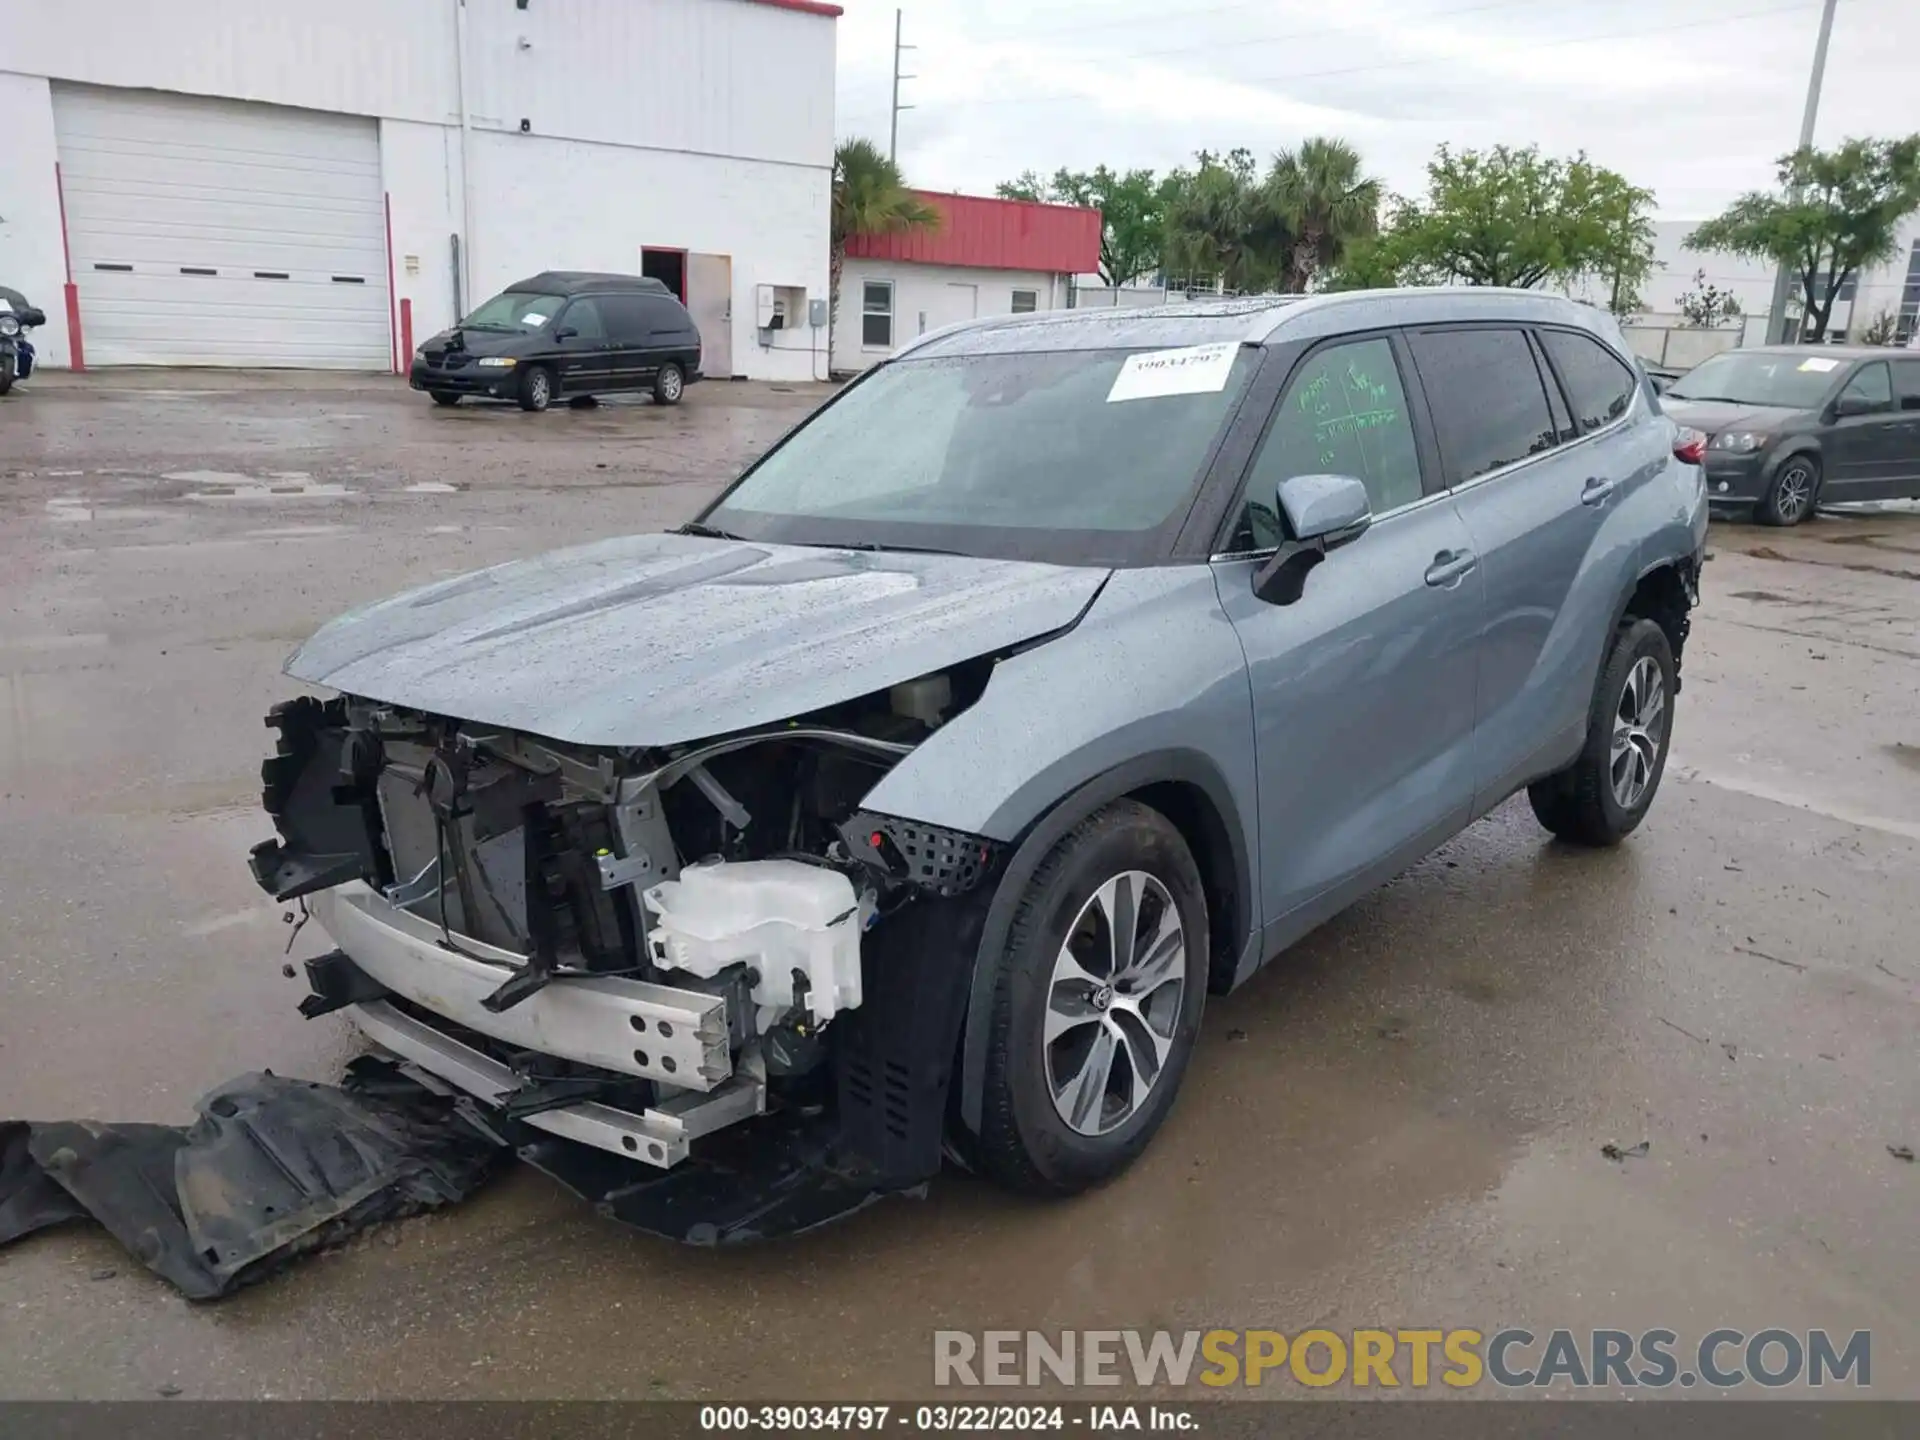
{"points": [[515, 310], [1082, 456], [1792, 382]]}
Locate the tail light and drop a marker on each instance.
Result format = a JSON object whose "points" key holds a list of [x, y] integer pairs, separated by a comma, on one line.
{"points": [[1689, 445]]}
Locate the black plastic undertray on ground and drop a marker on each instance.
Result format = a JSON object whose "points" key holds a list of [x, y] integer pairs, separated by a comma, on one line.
{"points": [[273, 1169]]}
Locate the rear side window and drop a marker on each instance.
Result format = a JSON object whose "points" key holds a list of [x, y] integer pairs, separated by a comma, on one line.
{"points": [[1597, 381], [1485, 394], [626, 316], [668, 318], [1906, 384]]}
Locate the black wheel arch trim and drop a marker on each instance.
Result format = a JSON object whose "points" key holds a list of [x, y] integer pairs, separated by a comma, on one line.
{"points": [[1793, 449], [1688, 567], [1187, 767]]}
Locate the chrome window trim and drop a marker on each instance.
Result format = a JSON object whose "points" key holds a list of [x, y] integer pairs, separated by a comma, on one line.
{"points": [[1501, 471], [1632, 412]]}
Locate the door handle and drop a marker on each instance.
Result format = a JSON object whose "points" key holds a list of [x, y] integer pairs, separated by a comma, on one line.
{"points": [[1596, 490], [1449, 566]]}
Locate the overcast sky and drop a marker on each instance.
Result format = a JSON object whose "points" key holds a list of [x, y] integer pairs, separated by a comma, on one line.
{"points": [[1692, 98]]}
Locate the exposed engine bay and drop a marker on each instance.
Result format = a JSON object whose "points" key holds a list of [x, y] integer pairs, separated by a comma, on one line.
{"points": [[634, 949]]}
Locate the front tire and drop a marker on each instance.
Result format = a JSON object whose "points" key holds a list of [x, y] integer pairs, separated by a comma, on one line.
{"points": [[536, 388], [1090, 1038], [1603, 796], [7, 363], [1793, 494], [669, 385]]}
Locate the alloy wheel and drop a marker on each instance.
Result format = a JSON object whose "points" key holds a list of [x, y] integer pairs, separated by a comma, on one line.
{"points": [[670, 384], [1639, 724], [1113, 1003], [1794, 494]]}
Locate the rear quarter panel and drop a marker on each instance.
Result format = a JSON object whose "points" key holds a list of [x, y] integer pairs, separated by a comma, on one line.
{"points": [[1657, 517]]}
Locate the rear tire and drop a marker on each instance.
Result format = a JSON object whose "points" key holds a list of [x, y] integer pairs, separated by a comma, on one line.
{"points": [[536, 388], [669, 385], [444, 397], [1085, 1053], [1794, 492], [1603, 796]]}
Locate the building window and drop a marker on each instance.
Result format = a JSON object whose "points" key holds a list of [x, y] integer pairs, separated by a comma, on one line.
{"points": [[1846, 292], [1025, 302], [1910, 298], [876, 314]]}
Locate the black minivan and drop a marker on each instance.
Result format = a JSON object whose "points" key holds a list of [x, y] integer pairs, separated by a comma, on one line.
{"points": [[565, 334]]}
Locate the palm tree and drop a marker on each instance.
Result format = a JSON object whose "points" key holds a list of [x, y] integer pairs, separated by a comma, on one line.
{"points": [[1319, 193], [869, 198], [1218, 224]]}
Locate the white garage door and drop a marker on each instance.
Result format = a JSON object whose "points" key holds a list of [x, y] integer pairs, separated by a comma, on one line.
{"points": [[218, 232]]}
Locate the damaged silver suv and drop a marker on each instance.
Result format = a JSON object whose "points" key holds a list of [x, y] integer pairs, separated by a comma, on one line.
{"points": [[910, 801]]}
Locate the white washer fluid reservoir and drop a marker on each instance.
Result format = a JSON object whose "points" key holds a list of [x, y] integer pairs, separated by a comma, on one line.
{"points": [[777, 916]]}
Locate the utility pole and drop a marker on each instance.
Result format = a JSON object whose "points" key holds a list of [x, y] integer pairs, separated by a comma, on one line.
{"points": [[1782, 281], [893, 124]]}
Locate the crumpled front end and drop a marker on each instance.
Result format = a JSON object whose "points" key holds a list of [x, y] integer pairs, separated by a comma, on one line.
{"points": [[701, 985]]}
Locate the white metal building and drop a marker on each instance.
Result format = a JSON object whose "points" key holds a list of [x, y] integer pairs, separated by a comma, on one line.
{"points": [[986, 257], [278, 182]]}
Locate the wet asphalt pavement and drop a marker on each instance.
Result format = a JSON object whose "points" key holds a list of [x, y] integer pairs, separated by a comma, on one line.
{"points": [[1398, 1123]]}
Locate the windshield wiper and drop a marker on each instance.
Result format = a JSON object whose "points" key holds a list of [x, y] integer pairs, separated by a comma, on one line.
{"points": [[707, 532], [874, 546], [1708, 399]]}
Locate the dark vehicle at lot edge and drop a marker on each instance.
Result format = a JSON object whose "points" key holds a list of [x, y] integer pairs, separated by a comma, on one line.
{"points": [[1059, 671], [1790, 427], [563, 335], [17, 316]]}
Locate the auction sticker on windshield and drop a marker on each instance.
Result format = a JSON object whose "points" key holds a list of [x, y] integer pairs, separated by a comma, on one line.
{"points": [[1821, 365], [1192, 370]]}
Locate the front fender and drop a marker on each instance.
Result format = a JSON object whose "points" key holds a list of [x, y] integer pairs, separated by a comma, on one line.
{"points": [[1149, 688], [1153, 666]]}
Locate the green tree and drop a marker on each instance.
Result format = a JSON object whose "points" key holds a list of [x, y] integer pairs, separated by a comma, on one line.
{"points": [[1320, 196], [1514, 217], [1027, 185], [1220, 225], [1131, 213], [869, 198], [1706, 305], [1834, 213]]}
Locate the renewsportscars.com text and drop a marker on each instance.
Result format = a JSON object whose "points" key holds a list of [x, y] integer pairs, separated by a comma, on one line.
{"points": [[1395, 1359]]}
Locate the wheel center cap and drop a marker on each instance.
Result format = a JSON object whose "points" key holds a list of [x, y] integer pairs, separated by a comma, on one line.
{"points": [[1102, 997]]}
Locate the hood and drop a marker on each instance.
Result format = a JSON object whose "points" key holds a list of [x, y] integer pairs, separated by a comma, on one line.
{"points": [[485, 342], [652, 640], [1713, 416]]}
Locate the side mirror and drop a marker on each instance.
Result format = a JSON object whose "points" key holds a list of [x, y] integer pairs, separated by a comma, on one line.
{"points": [[565, 332], [1322, 513], [1852, 405]]}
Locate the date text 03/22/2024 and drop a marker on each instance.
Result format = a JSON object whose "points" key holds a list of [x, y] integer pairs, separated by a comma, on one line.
{"points": [[1165, 1419]]}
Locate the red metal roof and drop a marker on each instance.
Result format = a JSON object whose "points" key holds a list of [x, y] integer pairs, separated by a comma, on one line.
{"points": [[811, 7], [994, 235]]}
